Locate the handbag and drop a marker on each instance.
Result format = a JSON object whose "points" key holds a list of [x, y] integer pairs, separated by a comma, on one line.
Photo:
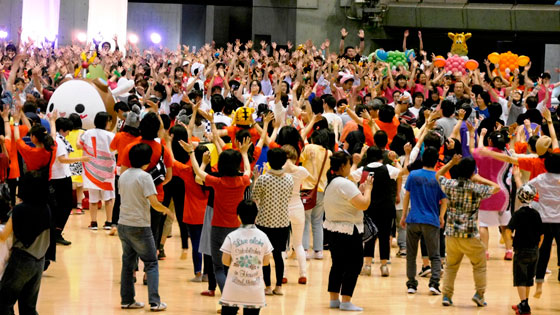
{"points": [[370, 230], [159, 171], [309, 196]]}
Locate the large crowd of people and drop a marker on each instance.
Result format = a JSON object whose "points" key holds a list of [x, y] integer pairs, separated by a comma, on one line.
{"points": [[262, 150]]}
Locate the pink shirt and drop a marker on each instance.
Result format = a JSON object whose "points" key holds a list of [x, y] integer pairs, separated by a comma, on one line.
{"points": [[542, 93], [497, 172]]}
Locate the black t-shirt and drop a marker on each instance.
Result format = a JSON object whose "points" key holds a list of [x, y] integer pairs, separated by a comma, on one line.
{"points": [[527, 224]]}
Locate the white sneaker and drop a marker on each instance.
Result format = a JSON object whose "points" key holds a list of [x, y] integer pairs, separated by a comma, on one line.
{"points": [[309, 254], [318, 255], [158, 307]]}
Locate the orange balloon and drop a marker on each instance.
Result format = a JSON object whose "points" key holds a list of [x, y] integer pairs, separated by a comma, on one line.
{"points": [[439, 62], [471, 64], [523, 61], [494, 58], [503, 66]]}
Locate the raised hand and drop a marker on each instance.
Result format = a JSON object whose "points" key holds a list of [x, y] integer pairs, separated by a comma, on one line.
{"points": [[361, 34], [406, 33], [343, 32]]}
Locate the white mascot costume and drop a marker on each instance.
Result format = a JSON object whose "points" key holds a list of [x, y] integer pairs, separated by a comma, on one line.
{"points": [[87, 97]]}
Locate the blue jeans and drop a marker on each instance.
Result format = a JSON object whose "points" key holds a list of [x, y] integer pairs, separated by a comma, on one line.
{"points": [[314, 217], [218, 235], [194, 232], [21, 283], [138, 242]]}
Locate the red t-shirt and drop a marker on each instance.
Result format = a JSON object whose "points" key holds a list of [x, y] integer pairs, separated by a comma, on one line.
{"points": [[228, 193], [535, 165], [196, 199], [12, 152], [156, 154], [120, 142], [232, 130], [256, 156], [36, 158]]}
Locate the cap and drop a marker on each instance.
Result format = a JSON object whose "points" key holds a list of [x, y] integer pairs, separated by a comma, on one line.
{"points": [[133, 117], [243, 116], [526, 193], [543, 144]]}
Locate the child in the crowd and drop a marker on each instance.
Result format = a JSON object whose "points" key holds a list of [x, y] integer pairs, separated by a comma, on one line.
{"points": [[527, 225], [138, 193], [77, 168], [245, 250]]}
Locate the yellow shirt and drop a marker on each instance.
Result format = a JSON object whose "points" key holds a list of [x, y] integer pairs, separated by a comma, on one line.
{"points": [[73, 137], [312, 158]]}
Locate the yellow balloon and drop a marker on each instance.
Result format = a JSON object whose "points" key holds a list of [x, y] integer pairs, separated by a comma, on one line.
{"points": [[523, 61], [494, 58]]}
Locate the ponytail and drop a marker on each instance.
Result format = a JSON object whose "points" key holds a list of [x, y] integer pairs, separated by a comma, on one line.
{"points": [[40, 132], [338, 160]]}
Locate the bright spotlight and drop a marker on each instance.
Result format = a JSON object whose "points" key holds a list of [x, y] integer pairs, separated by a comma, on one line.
{"points": [[3, 34], [133, 38], [82, 37], [155, 38]]}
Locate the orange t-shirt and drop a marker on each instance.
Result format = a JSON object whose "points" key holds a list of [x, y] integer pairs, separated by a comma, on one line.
{"points": [[389, 128], [120, 142], [196, 199], [534, 165], [36, 158], [255, 135], [156, 154], [12, 152]]}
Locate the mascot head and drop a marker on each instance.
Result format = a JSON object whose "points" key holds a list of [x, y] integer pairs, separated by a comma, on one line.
{"points": [[87, 98]]}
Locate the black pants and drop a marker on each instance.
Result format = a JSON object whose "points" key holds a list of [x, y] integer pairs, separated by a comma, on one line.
{"points": [[63, 194], [13, 183], [175, 190], [155, 224], [278, 238], [384, 235], [347, 259], [21, 283], [551, 231], [209, 271], [117, 203], [228, 310]]}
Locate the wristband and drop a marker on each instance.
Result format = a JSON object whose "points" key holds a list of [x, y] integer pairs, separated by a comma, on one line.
{"points": [[189, 153], [16, 124], [362, 39], [342, 38]]}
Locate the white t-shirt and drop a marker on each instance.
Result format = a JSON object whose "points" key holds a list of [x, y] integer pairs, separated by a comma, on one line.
{"points": [[548, 206], [331, 119], [4, 251], [393, 171], [338, 207], [298, 176], [244, 283], [101, 167], [60, 170], [222, 118], [255, 101]]}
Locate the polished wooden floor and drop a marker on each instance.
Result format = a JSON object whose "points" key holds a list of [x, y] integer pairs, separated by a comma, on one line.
{"points": [[85, 280]]}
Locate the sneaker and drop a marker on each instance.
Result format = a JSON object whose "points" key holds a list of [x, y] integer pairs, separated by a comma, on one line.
{"points": [[107, 225], [411, 290], [183, 254], [318, 255], [197, 278], [384, 271], [446, 301], [268, 291], [161, 254], [509, 255], [93, 226], [426, 272], [479, 300], [78, 211], [309, 254], [132, 306], [208, 293], [158, 307], [434, 289], [401, 253], [302, 280], [366, 270], [205, 278], [60, 240]]}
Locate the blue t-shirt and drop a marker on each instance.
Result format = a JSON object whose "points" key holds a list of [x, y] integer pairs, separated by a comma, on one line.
{"points": [[425, 195]]}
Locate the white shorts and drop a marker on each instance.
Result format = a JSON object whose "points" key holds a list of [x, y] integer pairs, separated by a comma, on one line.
{"points": [[96, 195], [493, 218]]}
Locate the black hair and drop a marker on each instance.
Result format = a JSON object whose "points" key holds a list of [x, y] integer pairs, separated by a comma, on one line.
{"points": [[29, 107], [101, 120], [218, 103], [495, 110], [338, 160], [447, 108], [121, 106], [386, 113], [139, 155], [320, 137], [465, 169], [498, 140], [240, 136], [397, 145], [532, 102], [373, 154], [342, 102], [432, 139], [40, 132], [430, 157], [149, 126], [229, 162], [76, 121], [64, 124], [247, 211], [258, 83], [317, 105], [408, 132], [161, 89], [381, 139], [179, 133], [290, 135], [466, 106], [532, 142], [276, 158], [485, 97], [552, 163], [199, 155], [329, 100]]}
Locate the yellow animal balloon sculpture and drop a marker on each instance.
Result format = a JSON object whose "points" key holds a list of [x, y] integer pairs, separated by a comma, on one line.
{"points": [[459, 46], [507, 62]]}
